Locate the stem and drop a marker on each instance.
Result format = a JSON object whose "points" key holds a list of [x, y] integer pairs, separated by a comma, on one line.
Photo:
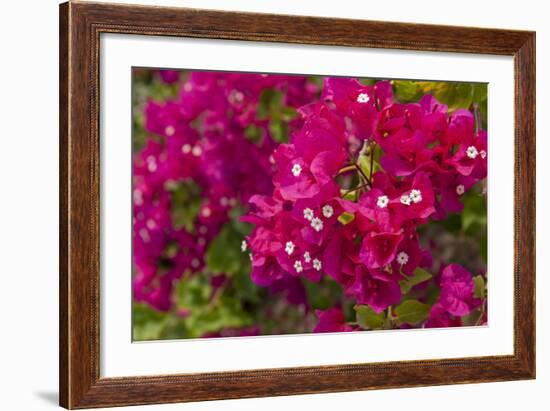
{"points": [[390, 316], [481, 314], [216, 296], [356, 189], [358, 167], [372, 147], [477, 117], [345, 169]]}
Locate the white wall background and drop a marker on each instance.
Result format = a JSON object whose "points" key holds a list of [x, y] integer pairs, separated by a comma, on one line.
{"points": [[29, 191]]}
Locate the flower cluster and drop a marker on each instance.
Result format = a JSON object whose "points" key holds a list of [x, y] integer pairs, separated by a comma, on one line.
{"points": [[213, 139], [456, 298], [351, 189]]}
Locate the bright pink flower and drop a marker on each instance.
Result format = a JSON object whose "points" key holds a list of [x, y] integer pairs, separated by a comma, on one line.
{"points": [[440, 317], [169, 76], [457, 290], [376, 288], [379, 249], [331, 321], [471, 157], [355, 100]]}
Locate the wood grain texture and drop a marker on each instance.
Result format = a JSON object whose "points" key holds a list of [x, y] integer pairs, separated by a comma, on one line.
{"points": [[80, 27]]}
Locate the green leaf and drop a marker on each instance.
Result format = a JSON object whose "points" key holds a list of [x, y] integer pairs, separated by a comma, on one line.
{"points": [[245, 289], [224, 253], [270, 101], [475, 211], [253, 133], [278, 130], [227, 314], [147, 324], [470, 319], [186, 201], [419, 276], [288, 113], [364, 159], [406, 90], [452, 223], [346, 218], [368, 319], [208, 311], [480, 92], [479, 284], [323, 294], [432, 294], [411, 312], [464, 93]]}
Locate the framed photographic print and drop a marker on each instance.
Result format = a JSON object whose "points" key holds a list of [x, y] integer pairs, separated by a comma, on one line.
{"points": [[259, 205]]}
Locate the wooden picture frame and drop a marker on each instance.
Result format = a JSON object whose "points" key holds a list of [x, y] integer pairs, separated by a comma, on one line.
{"points": [[81, 24]]}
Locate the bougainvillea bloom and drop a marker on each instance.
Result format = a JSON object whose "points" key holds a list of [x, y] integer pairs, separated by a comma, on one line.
{"points": [[331, 321]]}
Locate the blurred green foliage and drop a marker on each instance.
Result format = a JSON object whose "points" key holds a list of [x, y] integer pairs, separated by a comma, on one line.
{"points": [[454, 95]]}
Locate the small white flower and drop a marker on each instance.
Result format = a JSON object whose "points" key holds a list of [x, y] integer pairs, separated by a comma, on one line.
{"points": [[236, 96], [251, 257], [224, 201], [186, 149], [363, 98], [298, 266], [151, 224], [144, 234], [317, 264], [151, 164], [138, 197], [402, 258], [460, 189], [296, 170], [405, 199], [307, 257], [289, 247], [169, 131], [206, 212], [382, 201], [197, 151], [195, 263], [308, 214], [244, 246], [317, 224], [328, 211], [416, 196], [188, 87], [472, 152], [483, 154]]}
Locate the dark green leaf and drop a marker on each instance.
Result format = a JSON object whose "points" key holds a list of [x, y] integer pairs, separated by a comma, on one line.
{"points": [[368, 319], [411, 312], [475, 211], [279, 131], [147, 324], [479, 284], [419, 276], [224, 253], [406, 91], [346, 218], [186, 202], [253, 133]]}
